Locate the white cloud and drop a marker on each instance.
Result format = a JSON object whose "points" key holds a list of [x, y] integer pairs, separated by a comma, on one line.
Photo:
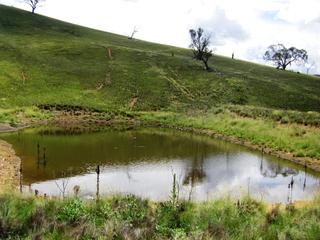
{"points": [[296, 11], [223, 29], [246, 27]]}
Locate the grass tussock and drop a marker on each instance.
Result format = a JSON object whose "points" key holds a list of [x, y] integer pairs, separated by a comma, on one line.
{"points": [[20, 116], [278, 115], [130, 217]]}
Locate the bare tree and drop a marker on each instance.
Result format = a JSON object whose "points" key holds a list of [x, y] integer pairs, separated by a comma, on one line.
{"points": [[200, 42], [283, 57], [135, 30], [33, 3], [310, 65]]}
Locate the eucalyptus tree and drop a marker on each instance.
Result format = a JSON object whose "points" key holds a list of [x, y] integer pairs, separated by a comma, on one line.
{"points": [[282, 57]]}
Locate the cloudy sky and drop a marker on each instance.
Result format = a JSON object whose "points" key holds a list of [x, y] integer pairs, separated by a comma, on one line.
{"points": [[246, 27]]}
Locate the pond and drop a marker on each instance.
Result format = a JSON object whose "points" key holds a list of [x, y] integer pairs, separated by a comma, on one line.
{"points": [[142, 161]]}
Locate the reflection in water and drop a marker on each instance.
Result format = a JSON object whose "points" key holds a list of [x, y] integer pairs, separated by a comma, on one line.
{"points": [[143, 161], [273, 169], [195, 174]]}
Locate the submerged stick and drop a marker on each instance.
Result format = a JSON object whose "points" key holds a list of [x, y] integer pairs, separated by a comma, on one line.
{"points": [[20, 179], [98, 182]]}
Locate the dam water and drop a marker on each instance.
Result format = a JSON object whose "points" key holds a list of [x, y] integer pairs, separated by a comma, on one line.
{"points": [[142, 162]]}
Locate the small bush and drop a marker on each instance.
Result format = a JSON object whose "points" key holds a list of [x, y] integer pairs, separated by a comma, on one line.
{"points": [[73, 211], [100, 212], [131, 209], [172, 218]]}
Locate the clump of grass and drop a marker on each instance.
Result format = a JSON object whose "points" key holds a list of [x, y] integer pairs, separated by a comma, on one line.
{"points": [[131, 209], [23, 116], [73, 211], [282, 116], [35, 113], [15, 215], [8, 116]]}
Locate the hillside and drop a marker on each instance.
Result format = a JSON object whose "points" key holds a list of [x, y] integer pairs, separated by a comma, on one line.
{"points": [[45, 61]]}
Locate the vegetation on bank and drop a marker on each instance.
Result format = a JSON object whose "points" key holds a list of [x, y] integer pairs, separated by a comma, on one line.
{"points": [[129, 217], [301, 141], [19, 116]]}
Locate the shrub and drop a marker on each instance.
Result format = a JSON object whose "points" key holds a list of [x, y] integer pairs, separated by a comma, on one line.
{"points": [[72, 211], [15, 214], [100, 212], [172, 219], [131, 209]]}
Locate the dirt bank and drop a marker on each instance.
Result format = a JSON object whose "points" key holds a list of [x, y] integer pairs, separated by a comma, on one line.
{"points": [[9, 168]]}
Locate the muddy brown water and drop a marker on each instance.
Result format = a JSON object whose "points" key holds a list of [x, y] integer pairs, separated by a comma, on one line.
{"points": [[142, 161]]}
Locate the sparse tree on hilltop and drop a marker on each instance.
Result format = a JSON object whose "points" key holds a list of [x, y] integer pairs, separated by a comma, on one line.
{"points": [[200, 42], [33, 3], [310, 65], [135, 30], [283, 57]]}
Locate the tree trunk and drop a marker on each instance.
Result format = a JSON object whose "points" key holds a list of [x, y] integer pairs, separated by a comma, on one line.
{"points": [[206, 65], [284, 66], [33, 9]]}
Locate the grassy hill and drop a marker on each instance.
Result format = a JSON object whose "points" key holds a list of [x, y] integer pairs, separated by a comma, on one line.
{"points": [[45, 61]]}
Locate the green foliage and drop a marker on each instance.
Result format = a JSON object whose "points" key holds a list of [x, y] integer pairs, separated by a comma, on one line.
{"points": [[15, 215], [173, 219], [282, 56], [14, 116], [73, 211], [131, 209], [8, 116], [100, 212]]}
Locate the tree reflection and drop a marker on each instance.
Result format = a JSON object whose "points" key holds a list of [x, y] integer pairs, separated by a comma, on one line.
{"points": [[273, 169], [196, 174]]}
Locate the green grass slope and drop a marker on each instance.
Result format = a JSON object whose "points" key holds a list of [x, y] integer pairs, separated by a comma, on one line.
{"points": [[45, 61]]}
